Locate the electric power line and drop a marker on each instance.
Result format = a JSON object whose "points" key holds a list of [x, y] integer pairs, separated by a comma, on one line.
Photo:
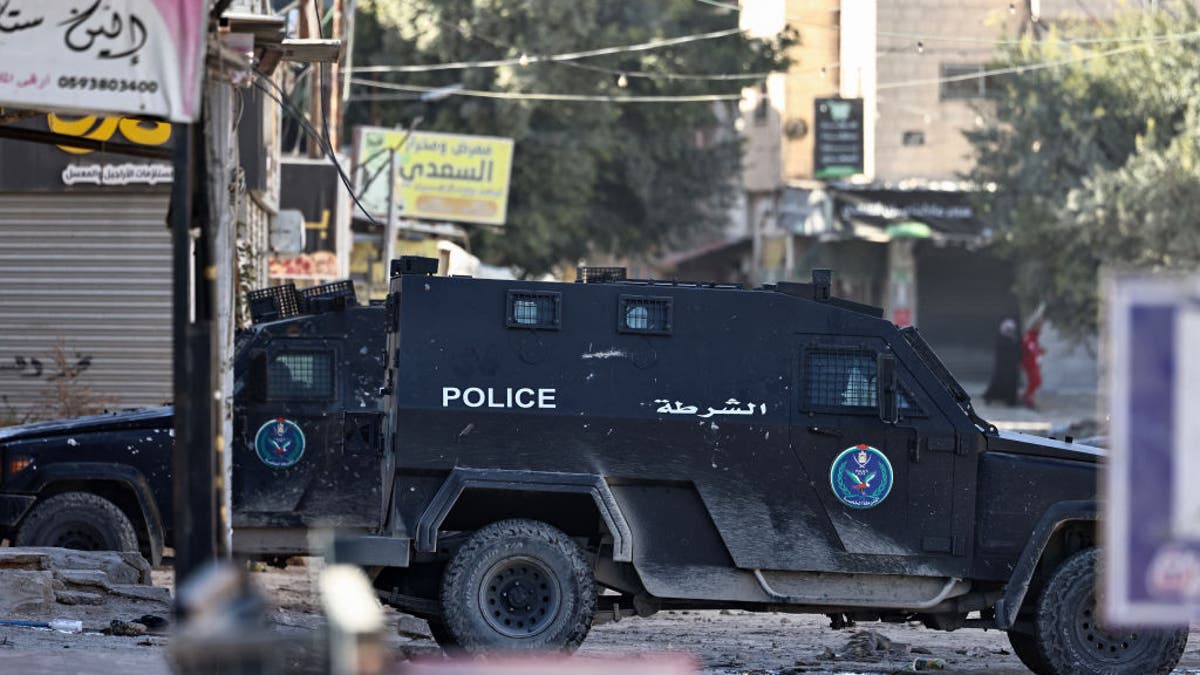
{"points": [[1018, 69], [921, 37], [530, 96], [313, 134], [1009, 70], [616, 72], [526, 59]]}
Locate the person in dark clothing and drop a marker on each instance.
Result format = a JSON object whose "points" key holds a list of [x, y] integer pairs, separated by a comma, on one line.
{"points": [[1007, 364]]}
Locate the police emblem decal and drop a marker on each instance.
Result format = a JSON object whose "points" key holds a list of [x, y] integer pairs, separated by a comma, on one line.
{"points": [[279, 443], [861, 477]]}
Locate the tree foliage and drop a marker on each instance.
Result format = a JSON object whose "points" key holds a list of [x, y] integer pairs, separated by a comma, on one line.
{"points": [[1094, 161], [589, 179]]}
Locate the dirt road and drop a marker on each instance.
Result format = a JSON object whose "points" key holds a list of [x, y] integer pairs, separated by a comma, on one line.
{"points": [[719, 643]]}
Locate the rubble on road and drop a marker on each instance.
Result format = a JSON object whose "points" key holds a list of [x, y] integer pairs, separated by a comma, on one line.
{"points": [[90, 586]]}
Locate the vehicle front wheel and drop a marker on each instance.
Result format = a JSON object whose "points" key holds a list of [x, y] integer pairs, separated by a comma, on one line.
{"points": [[1026, 648], [518, 585], [78, 520], [1074, 641], [441, 635]]}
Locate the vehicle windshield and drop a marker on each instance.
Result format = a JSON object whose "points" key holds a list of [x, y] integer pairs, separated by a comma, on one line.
{"points": [[942, 373]]}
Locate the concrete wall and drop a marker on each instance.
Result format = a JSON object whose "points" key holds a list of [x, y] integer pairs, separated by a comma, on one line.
{"points": [[909, 53]]}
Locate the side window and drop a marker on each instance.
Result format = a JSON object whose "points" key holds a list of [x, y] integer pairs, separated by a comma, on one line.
{"points": [[297, 375], [845, 380], [840, 379], [644, 314], [908, 403], [534, 309]]}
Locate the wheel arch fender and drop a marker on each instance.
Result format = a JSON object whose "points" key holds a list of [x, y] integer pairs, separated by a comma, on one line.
{"points": [[1057, 517], [462, 480], [124, 477]]}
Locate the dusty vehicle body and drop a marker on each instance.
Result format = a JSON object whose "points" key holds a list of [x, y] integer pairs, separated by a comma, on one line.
{"points": [[96, 482], [557, 452], [104, 481]]}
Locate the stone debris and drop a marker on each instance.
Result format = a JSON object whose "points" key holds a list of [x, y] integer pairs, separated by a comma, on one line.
{"points": [[866, 645], [412, 627], [67, 597], [126, 628], [92, 586]]}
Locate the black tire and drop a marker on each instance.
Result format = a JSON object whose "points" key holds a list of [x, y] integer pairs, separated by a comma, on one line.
{"points": [[1074, 642], [441, 635], [485, 607], [78, 520], [1026, 648]]}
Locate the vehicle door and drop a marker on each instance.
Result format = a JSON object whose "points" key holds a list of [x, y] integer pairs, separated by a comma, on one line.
{"points": [[885, 477], [303, 458]]}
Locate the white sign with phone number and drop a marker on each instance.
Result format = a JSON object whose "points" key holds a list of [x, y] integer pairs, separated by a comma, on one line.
{"points": [[139, 57]]}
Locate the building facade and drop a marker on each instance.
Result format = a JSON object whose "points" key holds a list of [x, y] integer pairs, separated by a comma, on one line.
{"points": [[899, 226]]}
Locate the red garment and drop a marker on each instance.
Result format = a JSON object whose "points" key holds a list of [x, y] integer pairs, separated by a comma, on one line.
{"points": [[1031, 356]]}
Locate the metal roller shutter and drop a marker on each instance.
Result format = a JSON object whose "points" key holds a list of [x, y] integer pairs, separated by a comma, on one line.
{"points": [[91, 272]]}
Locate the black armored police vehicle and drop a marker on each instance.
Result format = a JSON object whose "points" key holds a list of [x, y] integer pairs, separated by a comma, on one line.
{"points": [[559, 452], [312, 356]]}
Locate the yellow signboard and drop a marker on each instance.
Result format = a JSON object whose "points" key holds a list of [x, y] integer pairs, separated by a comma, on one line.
{"points": [[447, 177]]}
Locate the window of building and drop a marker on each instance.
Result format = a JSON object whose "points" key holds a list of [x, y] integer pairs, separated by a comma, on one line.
{"points": [[300, 375], [645, 314], [963, 80], [534, 309], [913, 137]]}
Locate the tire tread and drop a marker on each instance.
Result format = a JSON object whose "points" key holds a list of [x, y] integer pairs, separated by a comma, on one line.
{"points": [[455, 613], [46, 510], [1055, 650]]}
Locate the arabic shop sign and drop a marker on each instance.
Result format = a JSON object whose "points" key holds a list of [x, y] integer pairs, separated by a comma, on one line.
{"points": [[37, 167], [838, 143], [140, 57], [448, 177]]}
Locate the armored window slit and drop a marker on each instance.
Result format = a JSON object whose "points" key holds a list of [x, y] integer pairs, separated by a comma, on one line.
{"points": [[840, 379], [534, 309], [648, 315], [300, 375], [844, 379]]}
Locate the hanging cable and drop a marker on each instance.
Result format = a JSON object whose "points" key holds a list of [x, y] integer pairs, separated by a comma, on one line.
{"points": [[530, 96], [921, 37], [313, 134], [1008, 70], [616, 72], [526, 59]]}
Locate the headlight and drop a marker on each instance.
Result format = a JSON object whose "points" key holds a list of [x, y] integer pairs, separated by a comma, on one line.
{"points": [[15, 464]]}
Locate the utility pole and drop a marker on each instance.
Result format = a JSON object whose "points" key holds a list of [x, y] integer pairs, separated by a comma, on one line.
{"points": [[393, 214], [310, 28], [193, 460], [334, 84]]}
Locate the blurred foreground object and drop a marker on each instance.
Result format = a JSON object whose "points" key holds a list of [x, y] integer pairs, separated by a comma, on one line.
{"points": [[224, 627], [1153, 519], [355, 621], [554, 665]]}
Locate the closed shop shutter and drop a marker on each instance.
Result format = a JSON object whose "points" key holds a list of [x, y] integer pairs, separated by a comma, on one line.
{"points": [[962, 295], [90, 273]]}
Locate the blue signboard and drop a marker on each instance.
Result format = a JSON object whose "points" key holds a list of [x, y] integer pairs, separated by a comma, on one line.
{"points": [[1152, 521]]}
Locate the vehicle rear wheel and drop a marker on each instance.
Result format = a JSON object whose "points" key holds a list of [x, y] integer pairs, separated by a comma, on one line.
{"points": [[518, 585], [78, 520], [1026, 648], [1074, 641]]}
